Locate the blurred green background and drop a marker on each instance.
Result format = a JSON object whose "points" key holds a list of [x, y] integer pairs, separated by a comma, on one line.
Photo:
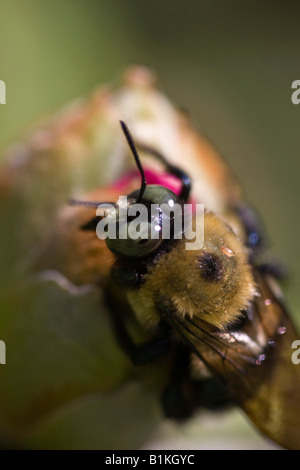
{"points": [[230, 64]]}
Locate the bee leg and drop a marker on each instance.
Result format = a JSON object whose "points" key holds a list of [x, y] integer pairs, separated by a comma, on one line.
{"points": [[178, 397], [174, 170], [139, 354], [274, 269], [210, 393], [252, 226], [183, 395]]}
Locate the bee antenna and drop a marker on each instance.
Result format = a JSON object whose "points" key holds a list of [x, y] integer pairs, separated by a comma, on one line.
{"points": [[133, 149], [76, 202]]}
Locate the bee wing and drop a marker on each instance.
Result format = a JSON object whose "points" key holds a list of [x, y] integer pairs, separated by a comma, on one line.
{"points": [[254, 361]]}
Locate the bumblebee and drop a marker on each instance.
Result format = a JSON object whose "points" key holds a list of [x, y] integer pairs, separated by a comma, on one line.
{"points": [[217, 311]]}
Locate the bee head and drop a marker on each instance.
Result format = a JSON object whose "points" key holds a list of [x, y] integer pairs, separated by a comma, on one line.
{"points": [[135, 226]]}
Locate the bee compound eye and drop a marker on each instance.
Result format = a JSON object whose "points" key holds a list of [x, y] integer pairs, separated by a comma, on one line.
{"points": [[156, 194], [135, 240]]}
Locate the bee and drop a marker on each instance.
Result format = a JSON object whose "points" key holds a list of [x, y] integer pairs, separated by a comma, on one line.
{"points": [[217, 309], [216, 312], [197, 328]]}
